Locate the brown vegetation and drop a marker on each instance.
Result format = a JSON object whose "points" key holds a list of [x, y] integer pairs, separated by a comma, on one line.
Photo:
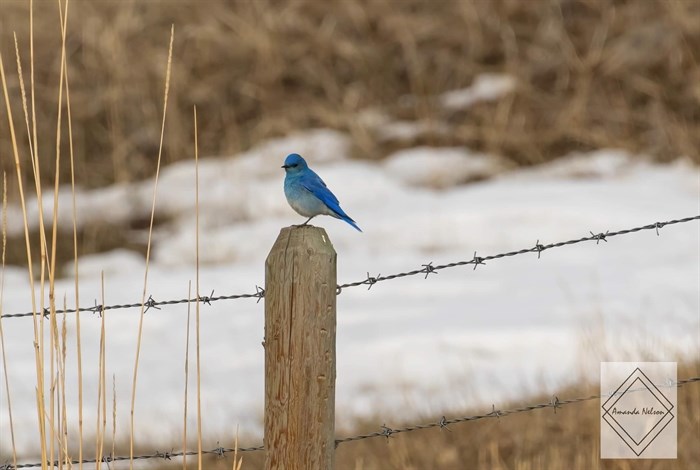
{"points": [[535, 440], [589, 73]]}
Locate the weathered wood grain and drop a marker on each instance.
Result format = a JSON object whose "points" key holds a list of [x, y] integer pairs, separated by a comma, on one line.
{"points": [[300, 323]]}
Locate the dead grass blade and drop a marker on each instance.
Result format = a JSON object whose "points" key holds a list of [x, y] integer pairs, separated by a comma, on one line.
{"points": [[37, 343], [74, 217], [2, 334], [187, 371], [114, 416], [237, 463], [199, 391], [101, 392], [148, 251], [64, 408]]}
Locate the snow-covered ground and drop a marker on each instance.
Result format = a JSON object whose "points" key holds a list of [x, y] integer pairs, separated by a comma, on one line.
{"points": [[408, 346]]}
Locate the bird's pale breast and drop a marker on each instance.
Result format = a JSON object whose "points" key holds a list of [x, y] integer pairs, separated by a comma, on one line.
{"points": [[304, 202]]}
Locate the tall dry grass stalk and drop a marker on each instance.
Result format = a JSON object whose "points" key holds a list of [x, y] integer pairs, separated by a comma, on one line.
{"points": [[114, 417], [101, 415], [187, 374], [56, 412], [58, 391], [53, 345], [54, 341], [59, 430], [54, 233], [148, 250], [64, 408], [74, 217], [33, 135], [2, 333], [37, 344], [196, 236], [237, 463]]}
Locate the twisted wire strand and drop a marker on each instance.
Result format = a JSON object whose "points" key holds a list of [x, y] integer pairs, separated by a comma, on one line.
{"points": [[386, 432], [426, 269]]}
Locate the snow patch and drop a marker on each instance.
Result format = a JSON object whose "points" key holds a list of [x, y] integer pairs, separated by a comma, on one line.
{"points": [[441, 167], [486, 87], [460, 337]]}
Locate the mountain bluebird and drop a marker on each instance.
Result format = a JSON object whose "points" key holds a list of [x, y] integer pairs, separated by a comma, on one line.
{"points": [[308, 194]]}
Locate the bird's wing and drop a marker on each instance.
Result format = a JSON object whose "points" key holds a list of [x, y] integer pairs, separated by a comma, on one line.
{"points": [[315, 185]]}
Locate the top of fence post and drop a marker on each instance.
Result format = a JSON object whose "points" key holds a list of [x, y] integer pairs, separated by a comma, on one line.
{"points": [[300, 322]]}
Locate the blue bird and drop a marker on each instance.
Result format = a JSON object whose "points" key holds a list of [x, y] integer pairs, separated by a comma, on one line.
{"points": [[308, 194]]}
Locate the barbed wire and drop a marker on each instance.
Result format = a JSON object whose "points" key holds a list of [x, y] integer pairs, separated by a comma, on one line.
{"points": [[148, 304], [219, 451], [429, 269], [369, 281], [555, 403]]}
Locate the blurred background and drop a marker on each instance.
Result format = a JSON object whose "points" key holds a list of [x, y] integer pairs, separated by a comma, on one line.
{"points": [[587, 74], [445, 128]]}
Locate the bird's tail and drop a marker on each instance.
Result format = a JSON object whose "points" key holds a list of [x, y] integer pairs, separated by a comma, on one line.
{"points": [[351, 222], [340, 214]]}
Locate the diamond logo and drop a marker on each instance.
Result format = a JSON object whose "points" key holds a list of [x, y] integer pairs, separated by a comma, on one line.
{"points": [[638, 412]]}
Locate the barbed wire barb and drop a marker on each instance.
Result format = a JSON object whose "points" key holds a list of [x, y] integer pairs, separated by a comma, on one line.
{"points": [[555, 403], [96, 309], [387, 432], [370, 281], [659, 225], [164, 455], [206, 300], [600, 237], [151, 303], [494, 412], [443, 423], [539, 248], [429, 269], [260, 293], [477, 260], [220, 451]]}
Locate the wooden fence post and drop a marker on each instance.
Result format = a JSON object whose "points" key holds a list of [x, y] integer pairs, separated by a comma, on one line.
{"points": [[300, 318]]}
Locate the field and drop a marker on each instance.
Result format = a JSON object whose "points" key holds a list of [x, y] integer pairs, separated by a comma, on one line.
{"points": [[589, 75], [569, 438], [520, 84]]}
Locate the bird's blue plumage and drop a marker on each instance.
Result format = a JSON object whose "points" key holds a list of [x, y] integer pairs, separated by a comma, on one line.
{"points": [[308, 194]]}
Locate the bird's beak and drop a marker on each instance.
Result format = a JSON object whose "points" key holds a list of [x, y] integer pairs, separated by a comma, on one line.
{"points": [[285, 166]]}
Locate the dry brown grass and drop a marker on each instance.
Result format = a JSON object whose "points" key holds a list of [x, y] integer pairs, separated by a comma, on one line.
{"points": [[590, 73], [535, 440], [527, 441]]}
